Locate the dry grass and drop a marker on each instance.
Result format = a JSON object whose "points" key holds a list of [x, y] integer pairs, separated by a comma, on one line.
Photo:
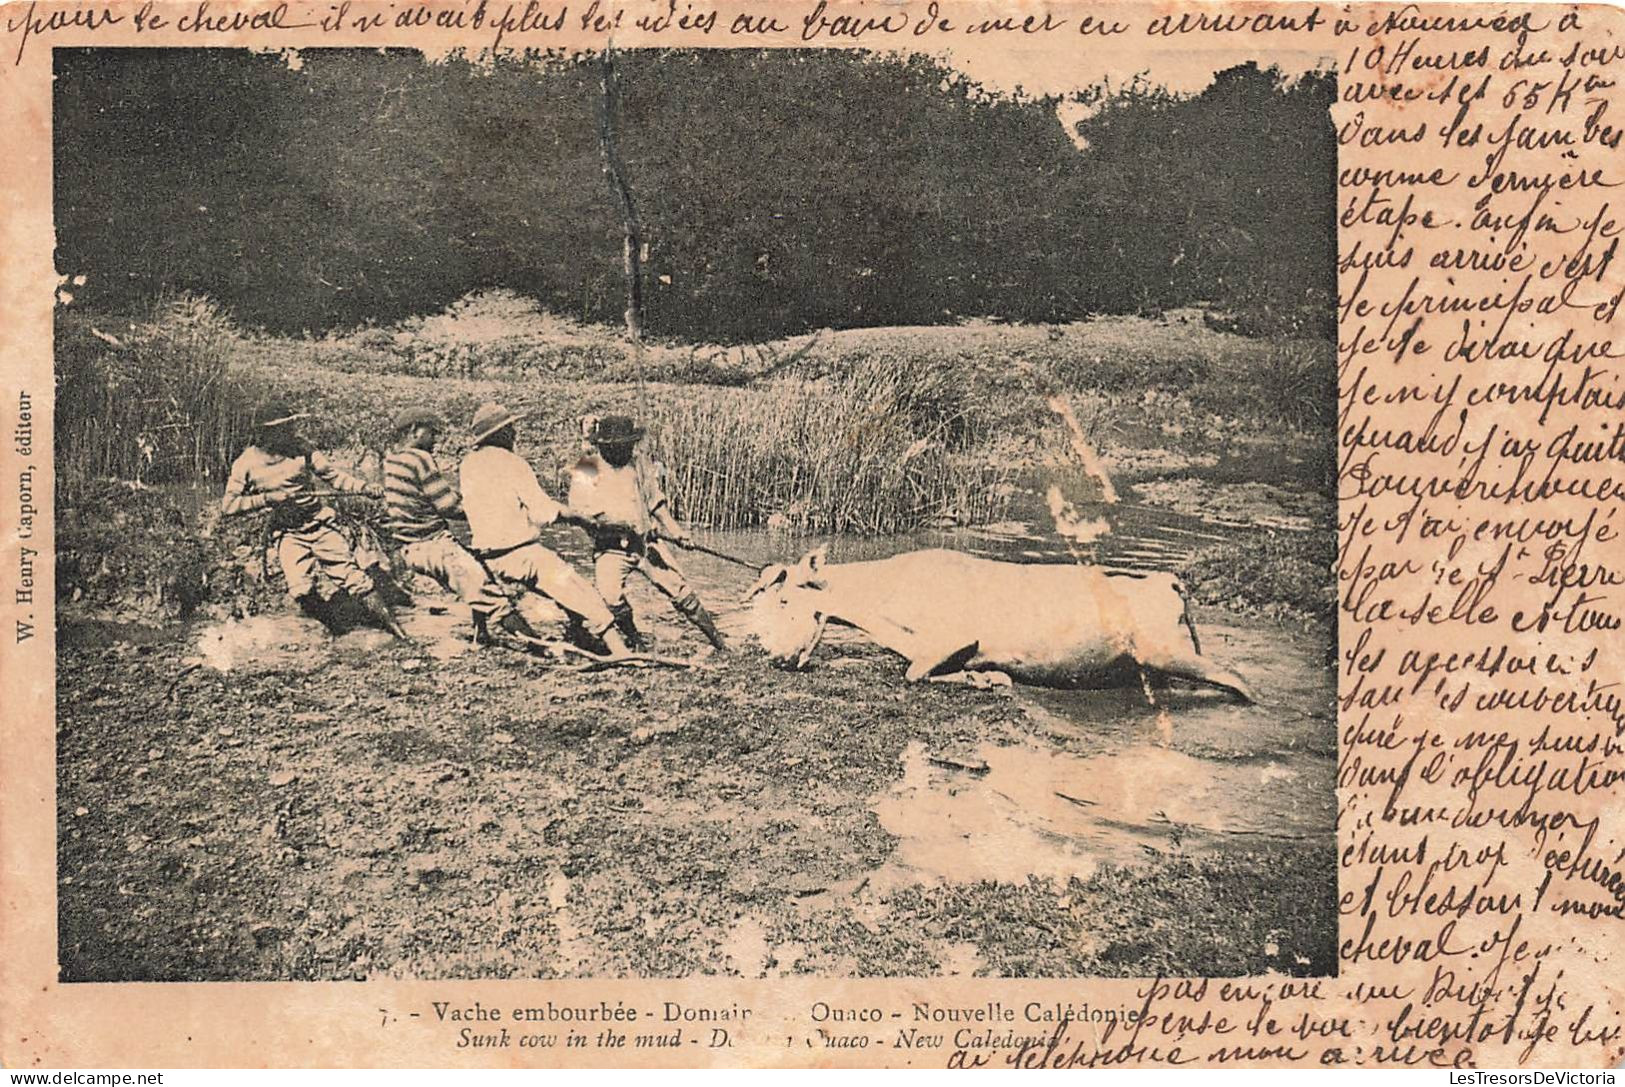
{"points": [[1286, 380], [1293, 385], [863, 431], [1283, 575], [151, 400], [499, 334]]}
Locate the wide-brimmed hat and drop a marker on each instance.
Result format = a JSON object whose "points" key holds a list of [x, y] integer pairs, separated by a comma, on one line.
{"points": [[413, 417], [615, 430], [489, 419]]}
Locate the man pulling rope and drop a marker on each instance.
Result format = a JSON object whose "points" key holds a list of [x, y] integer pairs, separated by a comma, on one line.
{"points": [[278, 472], [506, 506]]}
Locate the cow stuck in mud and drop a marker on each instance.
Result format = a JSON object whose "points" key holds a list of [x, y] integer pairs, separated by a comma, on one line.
{"points": [[959, 617]]}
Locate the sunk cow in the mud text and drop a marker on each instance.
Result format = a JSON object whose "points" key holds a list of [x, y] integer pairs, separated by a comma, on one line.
{"points": [[956, 616]]}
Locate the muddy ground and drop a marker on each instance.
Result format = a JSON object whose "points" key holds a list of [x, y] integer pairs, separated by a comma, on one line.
{"points": [[255, 800], [242, 797]]}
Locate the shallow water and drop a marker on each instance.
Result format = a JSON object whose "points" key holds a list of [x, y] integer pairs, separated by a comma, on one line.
{"points": [[1045, 813], [1141, 535], [1103, 777], [1106, 778], [1110, 784]]}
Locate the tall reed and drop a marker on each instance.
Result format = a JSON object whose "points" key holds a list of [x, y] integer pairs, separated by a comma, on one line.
{"points": [[149, 401], [883, 447]]}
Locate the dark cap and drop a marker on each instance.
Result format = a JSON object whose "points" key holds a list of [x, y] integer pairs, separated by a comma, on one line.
{"points": [[615, 430], [413, 417], [276, 413]]}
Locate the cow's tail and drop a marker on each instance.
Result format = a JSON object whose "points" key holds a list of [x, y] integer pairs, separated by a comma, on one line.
{"points": [[1185, 614]]}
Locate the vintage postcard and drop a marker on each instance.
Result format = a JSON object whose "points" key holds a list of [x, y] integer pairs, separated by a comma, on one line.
{"points": [[811, 534]]}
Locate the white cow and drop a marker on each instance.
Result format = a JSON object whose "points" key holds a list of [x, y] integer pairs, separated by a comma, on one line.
{"points": [[956, 616]]}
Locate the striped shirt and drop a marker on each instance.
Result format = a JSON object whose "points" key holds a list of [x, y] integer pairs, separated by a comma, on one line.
{"points": [[417, 497]]}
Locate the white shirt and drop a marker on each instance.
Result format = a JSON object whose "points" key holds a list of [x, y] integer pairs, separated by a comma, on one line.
{"points": [[502, 499]]}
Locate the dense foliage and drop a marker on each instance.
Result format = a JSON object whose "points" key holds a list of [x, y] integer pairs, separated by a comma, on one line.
{"points": [[779, 190]]}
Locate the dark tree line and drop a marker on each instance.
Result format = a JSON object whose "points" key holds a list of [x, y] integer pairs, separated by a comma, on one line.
{"points": [[778, 191]]}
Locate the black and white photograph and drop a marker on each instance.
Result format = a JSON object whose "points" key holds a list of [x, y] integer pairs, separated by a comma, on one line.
{"points": [[694, 512]]}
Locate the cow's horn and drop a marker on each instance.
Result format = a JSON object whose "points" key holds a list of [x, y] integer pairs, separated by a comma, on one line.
{"points": [[771, 575]]}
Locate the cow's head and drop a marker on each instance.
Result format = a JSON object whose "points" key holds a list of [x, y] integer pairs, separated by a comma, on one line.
{"points": [[786, 606]]}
